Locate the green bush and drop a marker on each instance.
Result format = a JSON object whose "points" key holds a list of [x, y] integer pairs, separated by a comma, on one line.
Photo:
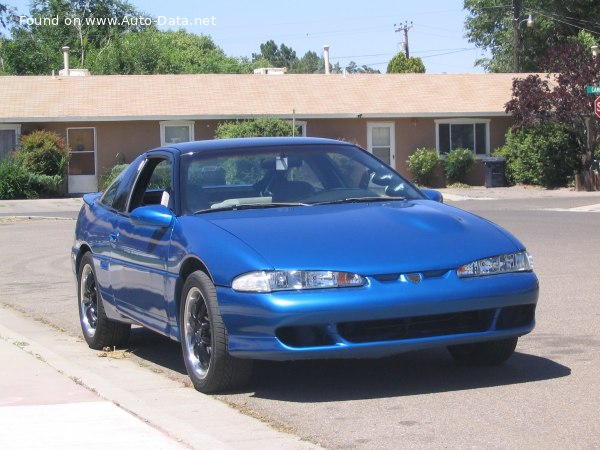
{"points": [[261, 127], [421, 164], [44, 153], [45, 185], [546, 155], [111, 174], [457, 164], [17, 182], [14, 180]]}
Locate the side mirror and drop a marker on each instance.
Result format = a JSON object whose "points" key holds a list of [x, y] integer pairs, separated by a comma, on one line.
{"points": [[152, 216], [434, 195]]}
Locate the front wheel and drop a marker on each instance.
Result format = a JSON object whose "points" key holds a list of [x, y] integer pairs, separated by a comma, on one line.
{"points": [[204, 339], [98, 330], [484, 353]]}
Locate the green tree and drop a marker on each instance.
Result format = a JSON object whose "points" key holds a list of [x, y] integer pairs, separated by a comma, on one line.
{"points": [[278, 56], [490, 25], [309, 63], [352, 67], [401, 64], [34, 48], [164, 52], [3, 13]]}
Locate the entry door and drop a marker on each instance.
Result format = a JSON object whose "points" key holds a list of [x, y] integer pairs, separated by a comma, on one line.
{"points": [[381, 141], [82, 161]]}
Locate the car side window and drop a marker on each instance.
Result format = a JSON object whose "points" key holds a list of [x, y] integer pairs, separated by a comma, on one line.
{"points": [[154, 184], [108, 197]]}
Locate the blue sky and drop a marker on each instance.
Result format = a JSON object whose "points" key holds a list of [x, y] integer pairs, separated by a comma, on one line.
{"points": [[362, 31]]}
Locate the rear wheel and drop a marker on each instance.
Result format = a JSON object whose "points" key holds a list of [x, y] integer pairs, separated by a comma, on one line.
{"points": [[98, 330], [484, 353], [204, 339]]}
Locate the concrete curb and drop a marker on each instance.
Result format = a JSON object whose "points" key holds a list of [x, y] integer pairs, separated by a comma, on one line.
{"points": [[186, 416]]}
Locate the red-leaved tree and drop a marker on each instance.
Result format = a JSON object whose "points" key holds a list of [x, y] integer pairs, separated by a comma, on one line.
{"points": [[560, 97]]}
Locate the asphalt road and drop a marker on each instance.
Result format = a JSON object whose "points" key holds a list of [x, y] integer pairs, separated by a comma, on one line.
{"points": [[546, 396]]}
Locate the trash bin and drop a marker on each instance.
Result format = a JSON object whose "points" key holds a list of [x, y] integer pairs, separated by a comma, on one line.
{"points": [[495, 172]]}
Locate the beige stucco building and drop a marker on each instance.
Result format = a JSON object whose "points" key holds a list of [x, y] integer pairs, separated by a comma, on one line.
{"points": [[111, 119]]}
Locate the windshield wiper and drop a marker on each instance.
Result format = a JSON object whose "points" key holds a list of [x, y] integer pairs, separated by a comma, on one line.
{"points": [[250, 206], [360, 200]]}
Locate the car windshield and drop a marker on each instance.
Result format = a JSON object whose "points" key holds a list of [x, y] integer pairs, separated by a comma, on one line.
{"points": [[291, 175]]}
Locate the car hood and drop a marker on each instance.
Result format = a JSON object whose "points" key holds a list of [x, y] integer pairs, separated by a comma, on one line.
{"points": [[367, 238]]}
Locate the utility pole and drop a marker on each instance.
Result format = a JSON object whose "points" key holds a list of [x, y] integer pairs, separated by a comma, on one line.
{"points": [[516, 7], [405, 28]]}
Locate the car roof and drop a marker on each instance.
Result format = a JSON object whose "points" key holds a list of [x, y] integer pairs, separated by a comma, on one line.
{"points": [[222, 144]]}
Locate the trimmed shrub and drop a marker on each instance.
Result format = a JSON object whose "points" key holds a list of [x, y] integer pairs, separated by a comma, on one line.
{"points": [[111, 174], [421, 164], [546, 155], [457, 164], [261, 127], [46, 185], [44, 153]]}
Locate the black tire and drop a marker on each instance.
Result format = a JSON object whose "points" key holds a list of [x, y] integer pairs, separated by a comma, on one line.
{"points": [[204, 339], [98, 330], [488, 353]]}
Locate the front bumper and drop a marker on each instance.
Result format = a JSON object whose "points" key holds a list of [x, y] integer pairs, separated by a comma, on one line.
{"points": [[382, 318]]}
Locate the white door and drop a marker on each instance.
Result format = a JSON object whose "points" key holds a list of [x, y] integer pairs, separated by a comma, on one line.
{"points": [[82, 160], [381, 141]]}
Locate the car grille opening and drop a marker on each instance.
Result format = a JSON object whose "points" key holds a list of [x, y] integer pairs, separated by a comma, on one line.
{"points": [[417, 327], [305, 336], [515, 316]]}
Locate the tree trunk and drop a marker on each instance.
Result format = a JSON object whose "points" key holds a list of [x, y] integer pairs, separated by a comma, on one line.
{"points": [[587, 181]]}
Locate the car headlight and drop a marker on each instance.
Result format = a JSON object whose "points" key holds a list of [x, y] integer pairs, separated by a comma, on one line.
{"points": [[510, 262], [285, 280]]}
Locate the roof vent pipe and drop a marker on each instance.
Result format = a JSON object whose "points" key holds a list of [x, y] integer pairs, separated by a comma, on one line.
{"points": [[326, 58], [65, 52]]}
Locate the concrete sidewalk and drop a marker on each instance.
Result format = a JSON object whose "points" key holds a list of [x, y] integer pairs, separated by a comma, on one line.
{"points": [[56, 393], [514, 193]]}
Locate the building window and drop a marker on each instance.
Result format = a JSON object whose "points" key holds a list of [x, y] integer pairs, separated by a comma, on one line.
{"points": [[463, 133], [300, 128], [381, 141], [9, 138], [175, 132]]}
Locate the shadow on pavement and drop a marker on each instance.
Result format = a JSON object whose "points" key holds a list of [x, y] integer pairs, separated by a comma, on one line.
{"points": [[156, 349], [414, 373]]}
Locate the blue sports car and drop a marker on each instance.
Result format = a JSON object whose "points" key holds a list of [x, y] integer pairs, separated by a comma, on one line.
{"points": [[293, 248]]}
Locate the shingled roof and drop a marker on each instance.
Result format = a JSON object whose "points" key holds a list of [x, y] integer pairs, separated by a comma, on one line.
{"points": [[162, 97]]}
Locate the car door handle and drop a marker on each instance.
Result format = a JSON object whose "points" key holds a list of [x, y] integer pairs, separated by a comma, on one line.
{"points": [[113, 238]]}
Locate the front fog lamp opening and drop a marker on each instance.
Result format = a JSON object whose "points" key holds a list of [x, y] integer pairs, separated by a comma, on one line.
{"points": [[510, 262], [286, 280]]}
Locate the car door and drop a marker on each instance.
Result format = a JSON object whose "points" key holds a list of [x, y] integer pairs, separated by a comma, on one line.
{"points": [[140, 252], [99, 229]]}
